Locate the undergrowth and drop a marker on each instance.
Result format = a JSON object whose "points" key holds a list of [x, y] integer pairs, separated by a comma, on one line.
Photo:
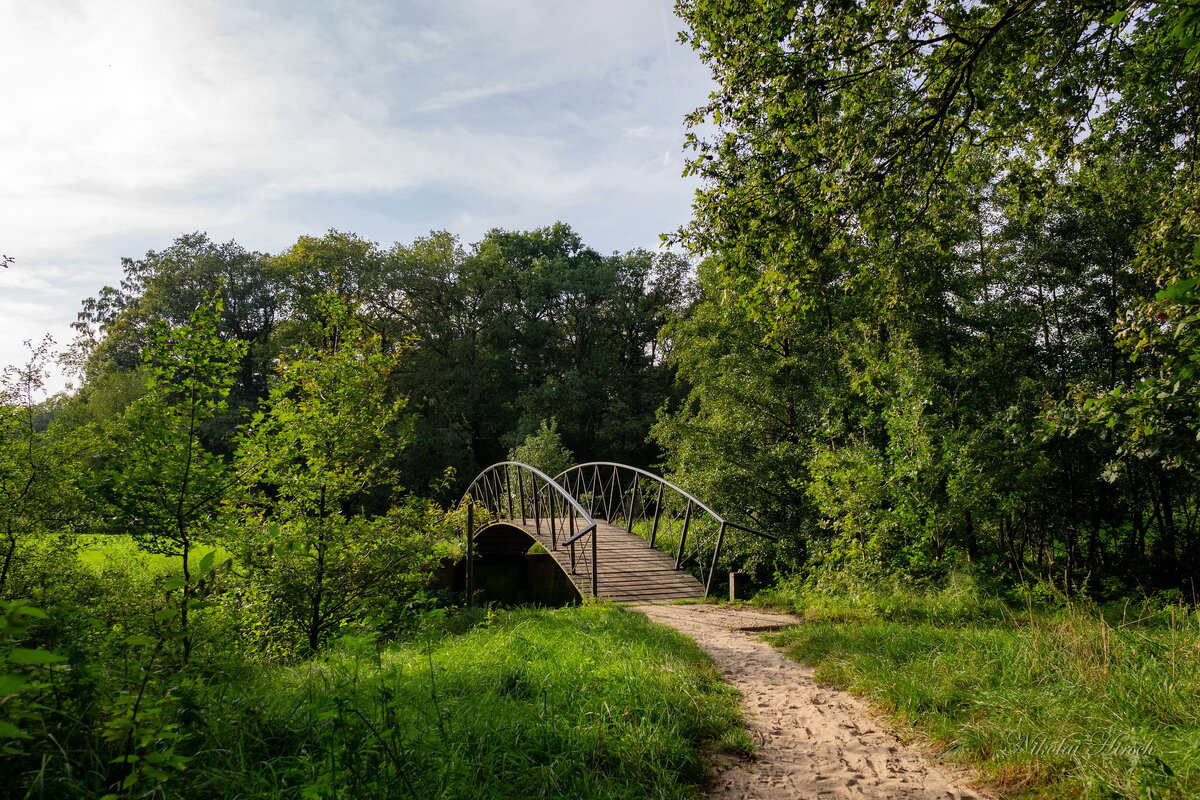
{"points": [[588, 702], [1050, 701]]}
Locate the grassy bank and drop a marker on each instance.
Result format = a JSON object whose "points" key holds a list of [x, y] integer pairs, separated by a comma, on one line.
{"points": [[102, 551], [1051, 703], [588, 702]]}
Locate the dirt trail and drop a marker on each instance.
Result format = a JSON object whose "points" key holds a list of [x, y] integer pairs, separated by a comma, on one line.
{"points": [[813, 741]]}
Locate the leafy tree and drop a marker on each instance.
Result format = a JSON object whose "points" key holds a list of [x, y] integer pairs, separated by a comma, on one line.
{"points": [[314, 457], [544, 450], [739, 439], [156, 479], [955, 202], [39, 462], [166, 287], [518, 327], [313, 269]]}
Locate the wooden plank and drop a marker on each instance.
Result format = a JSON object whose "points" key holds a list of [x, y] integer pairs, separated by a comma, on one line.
{"points": [[628, 569]]}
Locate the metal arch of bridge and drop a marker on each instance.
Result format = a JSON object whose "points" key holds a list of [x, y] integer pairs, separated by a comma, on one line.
{"points": [[619, 493], [575, 517], [559, 522]]}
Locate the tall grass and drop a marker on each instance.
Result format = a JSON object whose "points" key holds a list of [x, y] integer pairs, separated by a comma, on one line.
{"points": [[587, 702], [1074, 701]]}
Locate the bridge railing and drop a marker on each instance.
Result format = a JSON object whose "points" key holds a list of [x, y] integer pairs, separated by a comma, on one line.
{"points": [[515, 491], [667, 516]]}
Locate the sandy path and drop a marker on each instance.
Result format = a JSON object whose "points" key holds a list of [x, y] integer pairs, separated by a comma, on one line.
{"points": [[813, 741]]}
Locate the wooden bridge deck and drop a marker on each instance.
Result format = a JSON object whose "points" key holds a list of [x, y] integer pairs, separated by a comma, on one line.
{"points": [[630, 570]]}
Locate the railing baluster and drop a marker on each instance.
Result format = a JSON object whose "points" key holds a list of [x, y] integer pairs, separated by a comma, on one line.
{"points": [[595, 564], [508, 490], [592, 492], [554, 524], [572, 545], [537, 511], [632, 502], [716, 555], [598, 491], [521, 489], [657, 514], [605, 489], [687, 520], [605, 493], [618, 495]]}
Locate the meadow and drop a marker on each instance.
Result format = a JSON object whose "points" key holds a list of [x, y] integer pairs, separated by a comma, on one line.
{"points": [[1045, 700]]}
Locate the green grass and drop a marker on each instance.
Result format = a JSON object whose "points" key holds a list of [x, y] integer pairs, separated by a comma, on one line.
{"points": [[99, 551], [585, 702], [1051, 704]]}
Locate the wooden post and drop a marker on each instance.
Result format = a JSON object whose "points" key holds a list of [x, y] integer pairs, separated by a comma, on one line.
{"points": [[737, 585]]}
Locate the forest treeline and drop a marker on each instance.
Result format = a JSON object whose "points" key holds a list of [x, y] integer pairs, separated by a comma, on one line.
{"points": [[518, 328]]}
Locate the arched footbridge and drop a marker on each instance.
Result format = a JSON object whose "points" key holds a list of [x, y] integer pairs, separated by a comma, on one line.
{"points": [[617, 532]]}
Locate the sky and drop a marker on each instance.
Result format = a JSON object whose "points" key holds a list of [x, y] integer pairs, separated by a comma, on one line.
{"points": [[127, 123]]}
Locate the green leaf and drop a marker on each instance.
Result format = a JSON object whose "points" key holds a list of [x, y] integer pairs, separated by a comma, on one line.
{"points": [[20, 608], [206, 563], [11, 684], [140, 640], [21, 655], [174, 583], [1182, 291], [10, 731]]}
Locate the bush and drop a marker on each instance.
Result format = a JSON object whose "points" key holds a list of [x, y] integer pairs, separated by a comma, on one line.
{"points": [[544, 450]]}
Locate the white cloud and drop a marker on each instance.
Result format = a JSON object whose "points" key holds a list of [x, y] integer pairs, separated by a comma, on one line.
{"points": [[136, 120]]}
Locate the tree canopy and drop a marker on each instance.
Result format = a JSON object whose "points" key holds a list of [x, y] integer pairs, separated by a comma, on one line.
{"points": [[935, 232]]}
